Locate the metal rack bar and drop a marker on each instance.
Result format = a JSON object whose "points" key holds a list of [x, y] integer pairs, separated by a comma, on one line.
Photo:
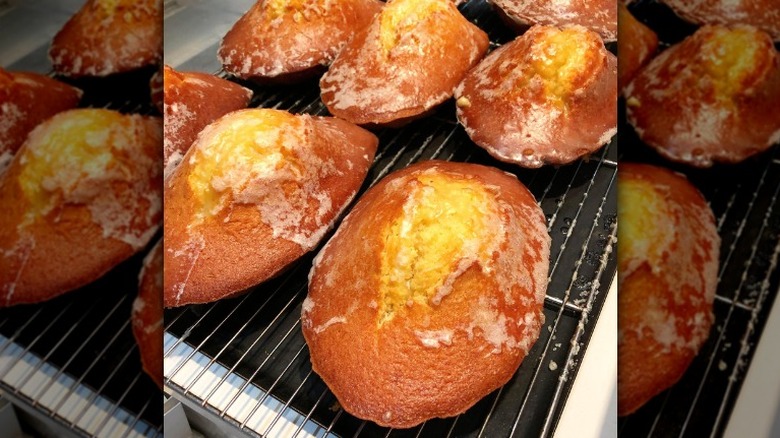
{"points": [[102, 387], [746, 209], [232, 369], [136, 418], [308, 415], [278, 333], [103, 423], [287, 404], [16, 334], [73, 356], [719, 340], [254, 374], [276, 382], [35, 340], [79, 381], [490, 412], [189, 330], [751, 259], [560, 311], [548, 427], [51, 351]]}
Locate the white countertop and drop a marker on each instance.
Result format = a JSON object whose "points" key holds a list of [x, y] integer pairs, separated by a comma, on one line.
{"points": [[591, 409]]}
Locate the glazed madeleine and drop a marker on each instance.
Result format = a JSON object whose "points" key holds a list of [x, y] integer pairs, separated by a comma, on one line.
{"points": [[258, 189], [290, 40], [27, 99], [637, 44], [548, 97], [711, 98], [147, 315], [192, 101], [763, 14], [404, 64], [668, 249], [109, 36], [82, 194], [429, 295], [600, 16]]}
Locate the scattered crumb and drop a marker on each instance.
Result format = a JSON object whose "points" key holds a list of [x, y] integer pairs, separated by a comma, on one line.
{"points": [[553, 365], [722, 366], [335, 407]]}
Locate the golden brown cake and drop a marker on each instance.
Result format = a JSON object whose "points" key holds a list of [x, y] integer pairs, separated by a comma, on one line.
{"points": [[637, 44], [404, 64], [257, 190], [668, 249], [429, 295], [712, 97], [82, 194], [599, 16], [109, 36], [147, 314], [290, 40], [763, 14], [192, 101], [548, 97], [27, 99]]}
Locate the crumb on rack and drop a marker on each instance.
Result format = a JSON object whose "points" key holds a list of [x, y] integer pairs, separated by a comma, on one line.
{"points": [[463, 102]]}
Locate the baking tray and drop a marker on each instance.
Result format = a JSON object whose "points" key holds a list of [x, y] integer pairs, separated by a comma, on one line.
{"points": [[243, 363], [744, 199]]}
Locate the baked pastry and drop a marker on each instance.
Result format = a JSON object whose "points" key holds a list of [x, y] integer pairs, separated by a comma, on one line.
{"points": [[257, 190], [636, 46], [404, 64], [548, 97], [109, 36], [192, 101], [429, 295], [82, 195], [287, 41], [27, 99], [599, 16], [763, 14], [147, 314], [156, 88], [712, 97], [668, 249]]}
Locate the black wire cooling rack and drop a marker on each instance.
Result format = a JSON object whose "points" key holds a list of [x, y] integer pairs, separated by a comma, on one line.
{"points": [[74, 359], [243, 362], [744, 199]]}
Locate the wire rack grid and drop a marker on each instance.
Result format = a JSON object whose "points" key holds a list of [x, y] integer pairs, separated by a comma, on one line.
{"points": [[243, 363], [73, 359], [744, 199]]}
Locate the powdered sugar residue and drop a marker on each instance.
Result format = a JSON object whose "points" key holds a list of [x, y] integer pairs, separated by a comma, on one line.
{"points": [[113, 48], [118, 155], [327, 324], [284, 184], [434, 338], [353, 86]]}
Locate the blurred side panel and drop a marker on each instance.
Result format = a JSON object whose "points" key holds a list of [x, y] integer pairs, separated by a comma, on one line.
{"points": [[70, 364]]}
